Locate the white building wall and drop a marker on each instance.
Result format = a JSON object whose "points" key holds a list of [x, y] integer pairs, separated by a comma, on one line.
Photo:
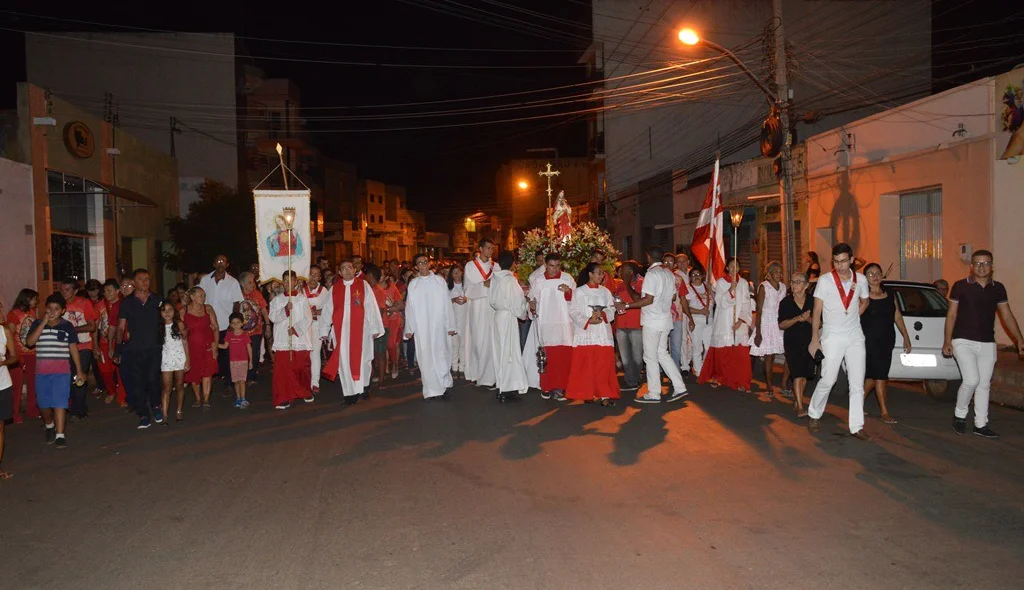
{"points": [[839, 51], [152, 77], [18, 262]]}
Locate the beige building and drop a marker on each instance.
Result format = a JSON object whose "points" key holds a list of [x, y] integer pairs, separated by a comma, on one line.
{"points": [[920, 187], [99, 196]]}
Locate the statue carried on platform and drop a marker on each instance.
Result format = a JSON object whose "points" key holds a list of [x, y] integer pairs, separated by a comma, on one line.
{"points": [[562, 217]]}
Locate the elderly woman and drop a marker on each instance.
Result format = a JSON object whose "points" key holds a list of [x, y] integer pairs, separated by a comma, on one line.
{"points": [[767, 335], [794, 319]]}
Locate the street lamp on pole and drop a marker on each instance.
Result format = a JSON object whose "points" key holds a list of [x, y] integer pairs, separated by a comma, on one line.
{"points": [[690, 37]]}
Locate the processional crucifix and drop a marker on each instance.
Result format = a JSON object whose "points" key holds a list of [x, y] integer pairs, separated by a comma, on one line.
{"points": [[549, 173]]}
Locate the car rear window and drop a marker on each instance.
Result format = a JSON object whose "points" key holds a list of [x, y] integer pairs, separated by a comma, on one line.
{"points": [[919, 301]]}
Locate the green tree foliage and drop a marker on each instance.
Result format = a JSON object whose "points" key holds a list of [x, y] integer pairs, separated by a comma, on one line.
{"points": [[222, 221]]}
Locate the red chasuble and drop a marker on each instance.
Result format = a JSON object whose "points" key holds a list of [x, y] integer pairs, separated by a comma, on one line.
{"points": [[355, 349]]}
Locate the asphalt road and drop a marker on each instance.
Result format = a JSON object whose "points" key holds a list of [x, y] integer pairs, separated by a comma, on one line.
{"points": [[722, 491]]}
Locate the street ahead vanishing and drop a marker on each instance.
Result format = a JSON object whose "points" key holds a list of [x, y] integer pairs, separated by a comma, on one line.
{"points": [[721, 491]]}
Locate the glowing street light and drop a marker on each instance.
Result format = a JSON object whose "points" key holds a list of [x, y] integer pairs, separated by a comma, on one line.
{"points": [[689, 37], [523, 185]]}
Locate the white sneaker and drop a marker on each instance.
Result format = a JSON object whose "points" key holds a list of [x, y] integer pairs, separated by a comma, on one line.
{"points": [[648, 399], [394, 373], [677, 395]]}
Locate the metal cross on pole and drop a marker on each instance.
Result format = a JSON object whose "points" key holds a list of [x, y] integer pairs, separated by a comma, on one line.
{"points": [[549, 173]]}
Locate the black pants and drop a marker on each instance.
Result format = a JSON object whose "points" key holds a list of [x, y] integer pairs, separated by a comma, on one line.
{"points": [[224, 362], [140, 371], [78, 405]]}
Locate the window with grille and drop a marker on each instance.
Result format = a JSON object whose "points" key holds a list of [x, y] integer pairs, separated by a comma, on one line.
{"points": [[921, 235]]}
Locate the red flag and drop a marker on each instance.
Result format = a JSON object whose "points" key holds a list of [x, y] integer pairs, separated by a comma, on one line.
{"points": [[708, 245]]}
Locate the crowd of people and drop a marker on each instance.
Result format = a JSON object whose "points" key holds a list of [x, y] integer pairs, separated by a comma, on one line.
{"points": [[359, 325]]}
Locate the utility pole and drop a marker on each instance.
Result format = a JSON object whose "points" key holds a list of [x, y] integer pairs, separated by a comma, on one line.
{"points": [[788, 206]]}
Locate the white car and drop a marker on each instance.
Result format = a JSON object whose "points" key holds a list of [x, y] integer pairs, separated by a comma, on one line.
{"points": [[924, 313]]}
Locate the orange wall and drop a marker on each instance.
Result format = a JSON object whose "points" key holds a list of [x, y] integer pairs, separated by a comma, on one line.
{"points": [[861, 205]]}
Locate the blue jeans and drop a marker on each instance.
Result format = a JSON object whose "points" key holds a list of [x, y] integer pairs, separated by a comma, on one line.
{"points": [[631, 350], [675, 343]]}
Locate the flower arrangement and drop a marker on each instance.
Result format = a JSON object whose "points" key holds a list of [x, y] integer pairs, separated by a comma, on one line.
{"points": [[576, 249]]}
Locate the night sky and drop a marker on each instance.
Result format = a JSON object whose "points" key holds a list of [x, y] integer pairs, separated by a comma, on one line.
{"points": [[447, 170]]}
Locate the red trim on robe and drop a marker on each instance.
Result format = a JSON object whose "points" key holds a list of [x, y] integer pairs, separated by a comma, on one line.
{"points": [[357, 322], [728, 365], [291, 376], [593, 373], [559, 364]]}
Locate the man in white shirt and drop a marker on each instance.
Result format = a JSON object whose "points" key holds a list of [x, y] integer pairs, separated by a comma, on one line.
{"points": [[839, 299], [222, 293], [509, 304], [317, 295], [656, 323], [430, 320], [480, 324]]}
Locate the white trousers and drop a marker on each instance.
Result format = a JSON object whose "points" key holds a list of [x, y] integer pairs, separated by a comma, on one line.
{"points": [[837, 348], [315, 362], [458, 359], [699, 339], [656, 354], [977, 361]]}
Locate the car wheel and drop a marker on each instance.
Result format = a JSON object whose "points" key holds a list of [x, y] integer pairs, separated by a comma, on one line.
{"points": [[940, 390]]}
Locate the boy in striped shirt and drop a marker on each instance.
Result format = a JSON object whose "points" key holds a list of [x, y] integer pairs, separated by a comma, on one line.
{"points": [[56, 344]]}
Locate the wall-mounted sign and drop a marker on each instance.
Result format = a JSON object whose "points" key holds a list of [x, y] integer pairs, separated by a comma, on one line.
{"points": [[79, 140]]}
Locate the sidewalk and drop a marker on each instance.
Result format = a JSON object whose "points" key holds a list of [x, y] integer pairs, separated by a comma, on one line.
{"points": [[1008, 380]]}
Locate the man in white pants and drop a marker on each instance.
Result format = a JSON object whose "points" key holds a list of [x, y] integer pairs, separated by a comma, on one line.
{"points": [[839, 299], [317, 294], [656, 323], [970, 336]]}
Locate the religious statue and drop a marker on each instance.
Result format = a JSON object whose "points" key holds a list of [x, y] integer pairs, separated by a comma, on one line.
{"points": [[284, 241], [562, 216]]}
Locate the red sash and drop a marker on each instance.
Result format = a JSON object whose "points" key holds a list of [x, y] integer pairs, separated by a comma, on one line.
{"points": [[310, 294], [355, 343], [728, 279], [701, 299], [479, 267], [845, 297]]}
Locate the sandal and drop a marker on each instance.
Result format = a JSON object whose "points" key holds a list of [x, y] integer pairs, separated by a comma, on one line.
{"points": [[206, 405], [5, 474], [179, 418], [607, 402], [887, 419], [197, 405], [108, 399]]}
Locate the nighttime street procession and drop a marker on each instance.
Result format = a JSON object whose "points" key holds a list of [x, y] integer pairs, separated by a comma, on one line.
{"points": [[480, 294]]}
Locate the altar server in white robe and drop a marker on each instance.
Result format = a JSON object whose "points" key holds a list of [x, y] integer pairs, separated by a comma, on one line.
{"points": [[549, 297], [727, 361], [430, 320], [509, 304], [480, 325], [317, 295], [355, 322]]}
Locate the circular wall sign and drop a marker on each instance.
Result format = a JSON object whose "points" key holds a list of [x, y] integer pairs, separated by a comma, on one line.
{"points": [[78, 139]]}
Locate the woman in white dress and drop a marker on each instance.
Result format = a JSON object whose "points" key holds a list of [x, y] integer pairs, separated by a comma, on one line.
{"points": [[768, 340], [457, 293], [728, 358]]}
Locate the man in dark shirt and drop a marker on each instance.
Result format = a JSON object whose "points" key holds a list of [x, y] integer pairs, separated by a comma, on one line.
{"points": [[971, 338], [140, 355]]}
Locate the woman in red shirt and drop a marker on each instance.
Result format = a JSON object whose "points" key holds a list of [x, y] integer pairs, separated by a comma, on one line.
{"points": [[19, 320]]}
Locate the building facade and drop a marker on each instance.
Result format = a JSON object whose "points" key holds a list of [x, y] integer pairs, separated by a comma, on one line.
{"points": [[920, 187], [177, 92], [99, 196], [669, 107]]}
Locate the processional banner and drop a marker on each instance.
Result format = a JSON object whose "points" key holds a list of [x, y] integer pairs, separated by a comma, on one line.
{"points": [[282, 232]]}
